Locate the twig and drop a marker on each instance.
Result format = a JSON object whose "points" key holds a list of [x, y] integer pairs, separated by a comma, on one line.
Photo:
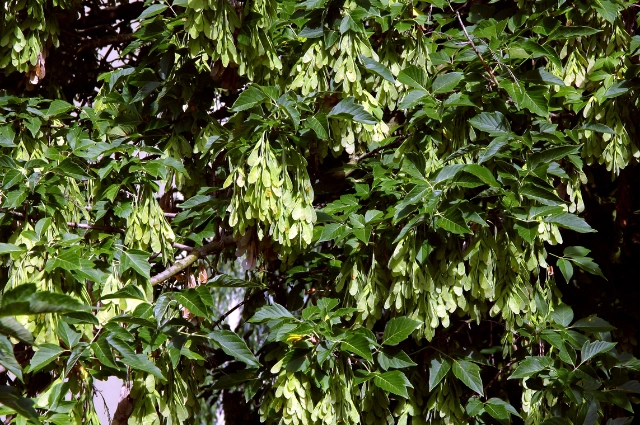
{"points": [[241, 303], [215, 246], [94, 227], [106, 41], [475, 49], [183, 247]]}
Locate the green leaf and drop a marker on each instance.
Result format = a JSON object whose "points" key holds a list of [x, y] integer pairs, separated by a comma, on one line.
{"points": [[377, 68], [492, 149], [566, 268], [530, 366], [482, 173], [394, 382], [348, 109], [446, 82], [394, 359], [152, 10], [58, 107], [562, 315], [320, 130], [588, 265], [593, 324], [129, 291], [71, 169], [448, 172], [493, 123], [618, 88], [469, 374], [556, 420], [40, 302], [544, 196], [271, 312], [398, 329], [46, 354], [541, 76], [528, 230], [453, 222], [600, 128], [497, 411], [234, 346], [6, 248], [499, 403], [438, 368], [550, 155], [133, 360], [533, 99], [8, 359], [249, 98], [414, 77], [226, 281], [572, 32], [592, 349], [570, 221], [102, 350], [191, 300], [474, 407], [359, 345], [10, 327], [12, 398], [136, 260]]}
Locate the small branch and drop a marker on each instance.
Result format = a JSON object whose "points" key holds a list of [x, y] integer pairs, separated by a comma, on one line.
{"points": [[377, 150], [210, 248], [106, 41], [183, 247], [94, 227], [241, 303], [475, 49]]}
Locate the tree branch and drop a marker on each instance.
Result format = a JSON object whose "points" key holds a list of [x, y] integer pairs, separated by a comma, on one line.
{"points": [[106, 41], [494, 80], [210, 248]]}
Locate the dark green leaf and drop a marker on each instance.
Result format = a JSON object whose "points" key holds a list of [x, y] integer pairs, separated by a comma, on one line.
{"points": [[566, 268], [379, 69], [592, 349], [271, 312], [133, 360], [359, 345], [398, 329], [348, 109], [46, 354], [446, 82], [12, 398], [593, 324], [136, 260], [491, 122], [249, 98], [569, 221], [234, 346], [530, 366], [129, 291], [394, 382], [469, 374], [562, 315], [438, 369]]}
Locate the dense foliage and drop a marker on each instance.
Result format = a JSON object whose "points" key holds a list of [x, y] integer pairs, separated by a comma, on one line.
{"points": [[398, 197]]}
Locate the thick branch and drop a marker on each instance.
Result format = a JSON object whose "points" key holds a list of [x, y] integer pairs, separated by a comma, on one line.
{"points": [[124, 409], [215, 246]]}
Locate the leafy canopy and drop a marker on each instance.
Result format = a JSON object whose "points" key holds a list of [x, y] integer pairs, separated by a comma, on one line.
{"points": [[383, 190]]}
